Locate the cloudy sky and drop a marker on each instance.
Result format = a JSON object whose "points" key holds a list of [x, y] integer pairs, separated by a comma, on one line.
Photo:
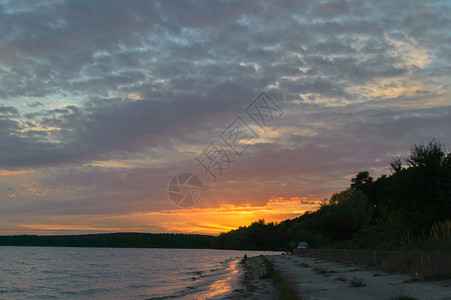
{"points": [[103, 102]]}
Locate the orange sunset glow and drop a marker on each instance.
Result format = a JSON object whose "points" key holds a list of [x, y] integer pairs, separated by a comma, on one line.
{"points": [[206, 221]]}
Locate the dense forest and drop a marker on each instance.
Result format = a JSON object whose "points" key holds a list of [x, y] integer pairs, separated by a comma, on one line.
{"points": [[116, 240], [408, 209]]}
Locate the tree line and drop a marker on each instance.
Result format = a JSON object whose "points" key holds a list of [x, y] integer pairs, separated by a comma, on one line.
{"points": [[408, 209], [114, 240]]}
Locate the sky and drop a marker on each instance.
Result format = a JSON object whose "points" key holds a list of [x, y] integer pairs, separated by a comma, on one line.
{"points": [[104, 103]]}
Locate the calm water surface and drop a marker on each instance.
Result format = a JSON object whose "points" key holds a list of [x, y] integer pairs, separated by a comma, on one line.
{"points": [[117, 273]]}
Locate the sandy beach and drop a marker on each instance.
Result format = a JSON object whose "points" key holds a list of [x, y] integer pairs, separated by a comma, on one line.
{"points": [[321, 279]]}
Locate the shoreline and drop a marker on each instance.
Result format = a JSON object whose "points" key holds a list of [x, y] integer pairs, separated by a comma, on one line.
{"points": [[321, 279], [252, 283]]}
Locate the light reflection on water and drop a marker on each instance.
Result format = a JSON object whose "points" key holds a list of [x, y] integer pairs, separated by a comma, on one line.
{"points": [[118, 273]]}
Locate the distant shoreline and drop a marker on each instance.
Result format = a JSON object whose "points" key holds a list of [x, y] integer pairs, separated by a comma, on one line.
{"points": [[113, 240]]}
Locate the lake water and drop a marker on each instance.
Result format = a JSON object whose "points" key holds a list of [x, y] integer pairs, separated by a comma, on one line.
{"points": [[118, 273]]}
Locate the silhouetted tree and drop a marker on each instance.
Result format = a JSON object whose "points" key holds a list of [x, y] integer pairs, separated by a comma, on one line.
{"points": [[362, 179], [422, 192], [431, 156], [395, 164], [344, 214]]}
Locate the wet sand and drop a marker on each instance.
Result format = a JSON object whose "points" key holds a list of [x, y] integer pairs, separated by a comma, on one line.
{"points": [[252, 285], [321, 279]]}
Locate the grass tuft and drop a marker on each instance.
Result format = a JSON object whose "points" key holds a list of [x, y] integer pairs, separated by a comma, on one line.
{"points": [[357, 282], [320, 270], [401, 295], [340, 278]]}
